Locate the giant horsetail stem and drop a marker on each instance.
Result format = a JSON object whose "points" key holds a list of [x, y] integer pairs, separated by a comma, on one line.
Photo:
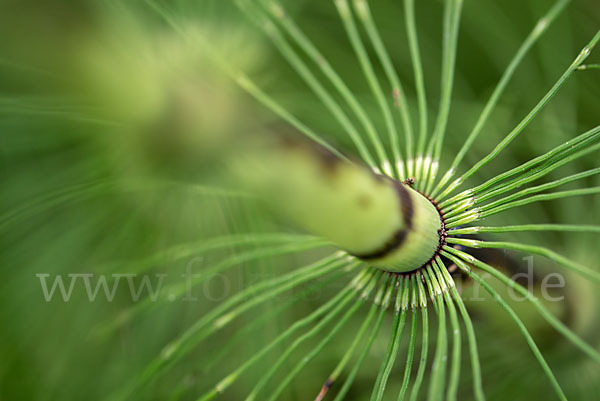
{"points": [[373, 217]]}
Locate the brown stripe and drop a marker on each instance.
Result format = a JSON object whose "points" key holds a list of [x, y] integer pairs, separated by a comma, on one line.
{"points": [[398, 238]]}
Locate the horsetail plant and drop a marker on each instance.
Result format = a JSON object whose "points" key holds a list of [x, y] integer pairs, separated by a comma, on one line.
{"points": [[390, 228]]}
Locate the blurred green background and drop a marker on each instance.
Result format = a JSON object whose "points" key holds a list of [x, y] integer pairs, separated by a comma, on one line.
{"points": [[111, 123]]}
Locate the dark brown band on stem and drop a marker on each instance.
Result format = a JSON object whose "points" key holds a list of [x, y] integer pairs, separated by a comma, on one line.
{"points": [[398, 238]]}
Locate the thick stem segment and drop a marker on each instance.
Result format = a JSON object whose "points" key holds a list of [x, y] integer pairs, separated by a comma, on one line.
{"points": [[373, 217]]}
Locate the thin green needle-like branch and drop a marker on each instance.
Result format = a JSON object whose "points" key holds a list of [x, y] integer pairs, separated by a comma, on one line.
{"points": [[540, 188], [589, 67], [438, 368], [245, 333], [220, 316], [538, 250], [367, 347], [424, 342], [288, 52], [415, 55], [546, 314], [454, 210], [410, 353], [451, 27], [530, 341], [525, 228], [585, 52], [323, 310], [363, 12], [366, 282], [367, 67], [541, 27], [489, 211], [278, 12], [555, 155], [349, 351], [479, 213], [243, 80], [440, 360], [316, 350], [394, 344], [177, 290], [475, 365], [438, 267]]}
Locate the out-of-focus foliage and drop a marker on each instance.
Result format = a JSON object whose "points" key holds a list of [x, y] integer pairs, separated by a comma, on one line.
{"points": [[111, 123]]}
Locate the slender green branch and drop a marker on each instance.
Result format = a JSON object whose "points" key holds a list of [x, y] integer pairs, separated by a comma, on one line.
{"points": [[394, 344], [452, 390], [363, 58], [537, 250], [278, 12], [546, 314], [530, 341], [363, 11], [539, 29], [324, 310], [248, 330], [316, 350], [475, 365], [423, 358], [540, 188], [411, 349], [557, 154], [367, 347], [585, 52], [526, 227], [349, 351], [243, 80], [589, 67], [415, 55], [451, 27], [489, 211], [438, 368], [219, 317], [306, 74]]}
